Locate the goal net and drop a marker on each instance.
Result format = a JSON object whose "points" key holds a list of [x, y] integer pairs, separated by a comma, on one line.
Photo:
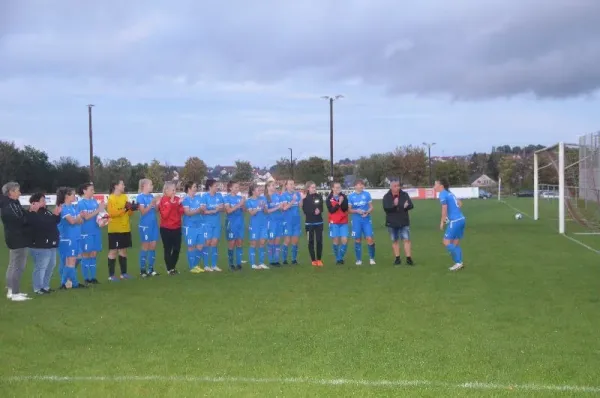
{"points": [[567, 186]]}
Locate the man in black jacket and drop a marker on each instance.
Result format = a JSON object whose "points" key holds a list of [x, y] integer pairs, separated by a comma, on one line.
{"points": [[17, 239], [44, 241], [312, 205], [397, 204]]}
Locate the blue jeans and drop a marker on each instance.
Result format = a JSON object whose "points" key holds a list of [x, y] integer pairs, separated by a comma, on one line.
{"points": [[44, 261]]}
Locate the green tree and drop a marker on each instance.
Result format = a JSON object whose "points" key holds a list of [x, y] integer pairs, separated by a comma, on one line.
{"points": [[375, 168], [312, 169], [37, 173], [156, 173], [138, 172], [478, 164], [508, 172], [120, 170], [11, 160], [455, 171], [409, 164], [194, 170], [243, 171], [69, 173], [282, 169]]}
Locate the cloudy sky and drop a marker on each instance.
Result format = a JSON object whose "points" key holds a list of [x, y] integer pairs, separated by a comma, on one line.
{"points": [[243, 79]]}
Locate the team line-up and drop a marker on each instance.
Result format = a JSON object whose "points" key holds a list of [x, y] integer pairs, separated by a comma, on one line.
{"points": [[274, 226]]}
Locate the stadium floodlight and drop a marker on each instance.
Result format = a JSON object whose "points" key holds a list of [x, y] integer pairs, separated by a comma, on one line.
{"points": [[91, 137], [429, 145], [568, 175], [331, 98], [291, 162]]}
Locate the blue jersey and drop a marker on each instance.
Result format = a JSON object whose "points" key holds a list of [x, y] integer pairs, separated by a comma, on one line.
{"points": [[212, 202], [68, 230], [234, 200], [89, 226], [454, 212], [257, 204], [294, 199], [192, 203], [148, 219], [273, 203], [359, 201]]}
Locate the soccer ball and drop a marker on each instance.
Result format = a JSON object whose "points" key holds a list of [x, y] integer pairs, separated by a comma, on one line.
{"points": [[102, 219], [518, 216]]}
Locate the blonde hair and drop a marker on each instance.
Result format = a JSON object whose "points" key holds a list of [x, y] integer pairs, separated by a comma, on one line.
{"points": [[168, 185], [143, 182]]}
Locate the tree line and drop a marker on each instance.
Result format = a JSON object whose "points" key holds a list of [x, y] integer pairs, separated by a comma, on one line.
{"points": [[33, 169]]}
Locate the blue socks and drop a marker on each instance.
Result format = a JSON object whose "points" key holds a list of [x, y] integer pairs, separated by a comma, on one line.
{"points": [[215, 256], [230, 257], [294, 253], [336, 252], [92, 267], [191, 257], [284, 253], [455, 252], [69, 273], [151, 260], [371, 249], [143, 260], [239, 252], [261, 255], [207, 256], [85, 268], [252, 255], [358, 251], [343, 249]]}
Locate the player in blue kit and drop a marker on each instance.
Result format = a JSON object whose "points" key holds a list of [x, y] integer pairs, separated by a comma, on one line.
{"points": [[91, 234], [234, 207], [212, 206], [193, 230], [360, 205], [70, 236], [455, 219], [257, 228], [148, 227], [274, 223], [292, 221]]}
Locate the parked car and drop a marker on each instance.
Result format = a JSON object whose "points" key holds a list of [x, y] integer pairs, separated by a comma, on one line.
{"points": [[525, 194], [549, 194], [483, 194]]}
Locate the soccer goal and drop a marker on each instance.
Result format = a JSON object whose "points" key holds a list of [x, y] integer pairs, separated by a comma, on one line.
{"points": [[567, 185]]}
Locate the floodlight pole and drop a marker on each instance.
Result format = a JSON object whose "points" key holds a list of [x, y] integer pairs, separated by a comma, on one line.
{"points": [[429, 145], [91, 137], [291, 162], [331, 99], [561, 188]]}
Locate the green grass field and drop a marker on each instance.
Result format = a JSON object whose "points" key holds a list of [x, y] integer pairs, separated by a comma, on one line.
{"points": [[520, 320]]}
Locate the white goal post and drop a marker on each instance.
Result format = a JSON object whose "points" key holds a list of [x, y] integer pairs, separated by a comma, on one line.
{"points": [[561, 184]]}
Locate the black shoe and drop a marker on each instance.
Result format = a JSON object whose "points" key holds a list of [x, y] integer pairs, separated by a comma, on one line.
{"points": [[153, 273], [63, 287], [47, 291], [285, 263], [239, 268], [294, 262], [143, 274], [398, 261], [173, 272], [80, 286], [409, 261], [232, 268], [94, 282], [342, 262], [276, 265], [40, 292]]}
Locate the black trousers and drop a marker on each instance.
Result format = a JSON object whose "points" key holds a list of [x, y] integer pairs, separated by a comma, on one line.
{"points": [[315, 234], [171, 239]]}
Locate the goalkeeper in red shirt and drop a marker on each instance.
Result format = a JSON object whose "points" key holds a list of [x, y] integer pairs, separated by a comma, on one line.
{"points": [[337, 205]]}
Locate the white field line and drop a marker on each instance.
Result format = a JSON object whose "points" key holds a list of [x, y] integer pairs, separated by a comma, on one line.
{"points": [[565, 235], [586, 233], [307, 381]]}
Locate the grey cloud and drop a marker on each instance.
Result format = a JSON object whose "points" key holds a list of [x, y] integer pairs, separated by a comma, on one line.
{"points": [[471, 49]]}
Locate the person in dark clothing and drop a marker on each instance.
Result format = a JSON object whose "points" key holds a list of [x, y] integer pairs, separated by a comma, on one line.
{"points": [[44, 241], [312, 205], [16, 235], [397, 204], [337, 205]]}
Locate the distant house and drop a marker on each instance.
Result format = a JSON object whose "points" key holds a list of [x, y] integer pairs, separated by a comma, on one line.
{"points": [[483, 181]]}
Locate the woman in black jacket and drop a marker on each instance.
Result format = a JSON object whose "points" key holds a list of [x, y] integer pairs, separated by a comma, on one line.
{"points": [[44, 241], [312, 205]]}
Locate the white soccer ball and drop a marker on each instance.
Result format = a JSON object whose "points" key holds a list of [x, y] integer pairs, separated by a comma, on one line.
{"points": [[518, 216], [102, 219]]}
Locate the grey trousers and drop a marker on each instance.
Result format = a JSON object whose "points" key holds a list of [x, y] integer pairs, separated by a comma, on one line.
{"points": [[17, 259]]}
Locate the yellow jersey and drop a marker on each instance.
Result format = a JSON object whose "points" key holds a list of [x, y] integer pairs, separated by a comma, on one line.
{"points": [[119, 216]]}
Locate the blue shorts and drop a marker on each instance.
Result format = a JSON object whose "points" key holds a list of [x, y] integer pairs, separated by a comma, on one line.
{"points": [[148, 233], [258, 232], [235, 229], [292, 227], [399, 233], [362, 228], [91, 243], [69, 248], [455, 229], [212, 231], [338, 231], [193, 236], [275, 229]]}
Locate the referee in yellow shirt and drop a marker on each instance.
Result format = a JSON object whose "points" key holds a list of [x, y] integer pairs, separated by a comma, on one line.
{"points": [[119, 230]]}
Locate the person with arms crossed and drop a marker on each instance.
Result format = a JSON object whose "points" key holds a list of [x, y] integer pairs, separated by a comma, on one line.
{"points": [[234, 207], [212, 206], [453, 215], [292, 221], [171, 210], [274, 223], [360, 205], [16, 236], [257, 227], [70, 238], [312, 206], [193, 231], [119, 229], [337, 206], [148, 227], [91, 234], [397, 204], [44, 241]]}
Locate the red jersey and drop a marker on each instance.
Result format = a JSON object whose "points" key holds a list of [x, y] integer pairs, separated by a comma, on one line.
{"points": [[338, 209], [170, 213]]}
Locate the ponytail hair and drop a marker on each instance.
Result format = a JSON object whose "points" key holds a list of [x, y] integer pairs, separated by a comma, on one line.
{"points": [[209, 183], [230, 184], [142, 183], [83, 187], [251, 190], [188, 185], [62, 194]]}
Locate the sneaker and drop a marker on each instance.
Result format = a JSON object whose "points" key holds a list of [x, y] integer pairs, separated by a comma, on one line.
{"points": [[40, 292], [17, 297], [208, 269], [196, 270], [238, 268], [372, 262], [338, 262], [80, 286], [263, 266], [63, 287], [143, 274], [173, 272], [257, 267], [314, 263], [216, 269], [319, 263], [285, 262], [456, 267], [342, 262], [47, 291], [94, 281], [69, 284], [125, 276], [295, 262], [409, 261], [113, 279], [359, 262], [153, 273], [398, 261]]}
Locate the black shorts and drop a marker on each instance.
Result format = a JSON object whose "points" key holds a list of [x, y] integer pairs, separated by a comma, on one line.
{"points": [[119, 240]]}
